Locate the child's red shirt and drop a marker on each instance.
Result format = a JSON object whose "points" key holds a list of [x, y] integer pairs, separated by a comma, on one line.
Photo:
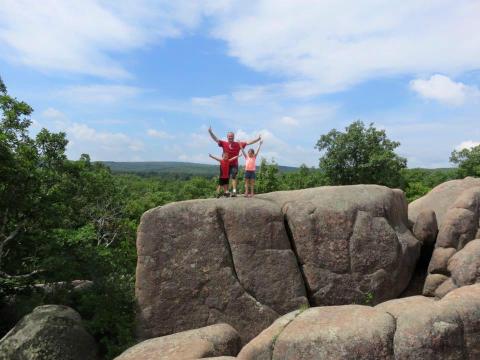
{"points": [[224, 169]]}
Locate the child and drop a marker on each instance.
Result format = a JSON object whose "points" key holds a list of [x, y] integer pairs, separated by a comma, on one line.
{"points": [[224, 177], [250, 167]]}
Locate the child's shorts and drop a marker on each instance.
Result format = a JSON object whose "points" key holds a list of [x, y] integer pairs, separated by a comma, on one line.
{"points": [[250, 175], [222, 181]]}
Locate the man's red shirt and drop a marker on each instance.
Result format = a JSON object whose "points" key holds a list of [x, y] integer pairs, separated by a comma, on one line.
{"points": [[232, 149]]}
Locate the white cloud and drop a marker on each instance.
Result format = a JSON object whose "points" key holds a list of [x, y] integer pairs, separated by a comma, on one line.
{"points": [[84, 36], [208, 101], [53, 113], [441, 88], [467, 145], [289, 121], [104, 94], [36, 125], [279, 149], [249, 107], [317, 47], [101, 145], [327, 46], [159, 134], [106, 140]]}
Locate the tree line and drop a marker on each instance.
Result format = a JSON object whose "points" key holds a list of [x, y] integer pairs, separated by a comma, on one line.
{"points": [[63, 220]]}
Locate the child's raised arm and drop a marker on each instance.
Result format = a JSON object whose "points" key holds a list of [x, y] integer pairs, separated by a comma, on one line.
{"points": [[243, 152], [258, 149], [213, 157]]}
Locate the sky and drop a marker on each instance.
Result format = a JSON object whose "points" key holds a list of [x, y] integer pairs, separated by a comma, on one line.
{"points": [[143, 80]]}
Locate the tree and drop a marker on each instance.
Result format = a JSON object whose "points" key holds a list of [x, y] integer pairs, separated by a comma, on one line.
{"points": [[304, 178], [360, 155], [62, 220], [17, 180], [418, 182], [468, 161], [267, 177]]}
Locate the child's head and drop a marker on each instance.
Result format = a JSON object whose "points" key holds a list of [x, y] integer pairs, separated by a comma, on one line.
{"points": [[225, 156], [251, 153]]}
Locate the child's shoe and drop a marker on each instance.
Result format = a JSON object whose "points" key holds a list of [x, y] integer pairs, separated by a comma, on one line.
{"points": [[227, 194]]}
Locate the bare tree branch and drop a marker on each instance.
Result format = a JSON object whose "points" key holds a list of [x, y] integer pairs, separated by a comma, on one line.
{"points": [[9, 238], [4, 222], [19, 277]]}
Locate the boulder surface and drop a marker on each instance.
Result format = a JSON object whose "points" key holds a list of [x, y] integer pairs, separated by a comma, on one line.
{"points": [[461, 268], [440, 198], [213, 341], [460, 226], [416, 327], [245, 262], [50, 332]]}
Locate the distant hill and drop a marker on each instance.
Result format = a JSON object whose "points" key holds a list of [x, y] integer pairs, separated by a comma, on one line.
{"points": [[170, 168]]}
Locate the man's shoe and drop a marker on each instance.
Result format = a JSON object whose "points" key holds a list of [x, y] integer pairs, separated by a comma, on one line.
{"points": [[234, 194]]}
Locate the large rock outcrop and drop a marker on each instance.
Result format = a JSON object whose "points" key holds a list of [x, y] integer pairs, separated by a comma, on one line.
{"points": [[245, 262], [50, 332], [410, 328], [211, 341], [459, 226], [459, 269], [440, 198]]}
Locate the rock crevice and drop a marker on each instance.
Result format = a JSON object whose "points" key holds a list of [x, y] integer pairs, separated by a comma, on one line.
{"points": [[230, 255], [288, 231]]}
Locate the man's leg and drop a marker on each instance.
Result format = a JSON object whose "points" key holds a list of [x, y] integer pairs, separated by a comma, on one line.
{"points": [[233, 175]]}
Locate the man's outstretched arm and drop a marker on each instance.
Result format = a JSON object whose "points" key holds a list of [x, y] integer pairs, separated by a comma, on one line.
{"points": [[254, 140], [212, 134]]}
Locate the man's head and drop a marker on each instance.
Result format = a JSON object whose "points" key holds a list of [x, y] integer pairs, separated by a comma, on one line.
{"points": [[230, 136]]}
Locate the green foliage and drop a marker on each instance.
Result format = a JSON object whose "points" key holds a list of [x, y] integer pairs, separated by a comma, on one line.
{"points": [[60, 221], [170, 170], [304, 178], [267, 177], [360, 155], [468, 161], [107, 313], [420, 181], [369, 299], [303, 307]]}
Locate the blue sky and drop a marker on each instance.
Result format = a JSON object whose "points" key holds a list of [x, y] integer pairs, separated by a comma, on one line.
{"points": [[143, 80]]}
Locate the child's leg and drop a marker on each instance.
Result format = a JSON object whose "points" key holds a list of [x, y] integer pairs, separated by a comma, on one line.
{"points": [[252, 186], [247, 183]]}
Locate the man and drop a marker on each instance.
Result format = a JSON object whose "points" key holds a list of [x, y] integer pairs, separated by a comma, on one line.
{"points": [[232, 148]]}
